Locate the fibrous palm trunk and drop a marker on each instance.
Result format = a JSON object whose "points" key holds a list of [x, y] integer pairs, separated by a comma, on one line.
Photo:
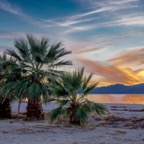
{"points": [[73, 119], [5, 109], [35, 110]]}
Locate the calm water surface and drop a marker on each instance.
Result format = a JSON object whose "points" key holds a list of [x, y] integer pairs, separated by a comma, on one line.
{"points": [[118, 98], [105, 98]]}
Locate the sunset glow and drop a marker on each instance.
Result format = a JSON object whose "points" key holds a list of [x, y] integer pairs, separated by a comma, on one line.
{"points": [[118, 99], [105, 36]]}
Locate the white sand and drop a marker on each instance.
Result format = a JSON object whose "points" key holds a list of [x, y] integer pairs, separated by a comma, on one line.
{"points": [[100, 132]]}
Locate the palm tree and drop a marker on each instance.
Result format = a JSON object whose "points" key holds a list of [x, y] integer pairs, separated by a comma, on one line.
{"points": [[7, 65], [37, 61], [71, 104]]}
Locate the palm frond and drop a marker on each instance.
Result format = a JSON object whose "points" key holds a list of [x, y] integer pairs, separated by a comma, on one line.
{"points": [[82, 114], [13, 54], [86, 81], [61, 63], [22, 47], [100, 109], [88, 89], [55, 53], [72, 80], [63, 102], [57, 113], [60, 91]]}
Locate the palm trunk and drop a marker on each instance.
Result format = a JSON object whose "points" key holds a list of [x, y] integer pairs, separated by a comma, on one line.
{"points": [[35, 110], [73, 119], [5, 109]]}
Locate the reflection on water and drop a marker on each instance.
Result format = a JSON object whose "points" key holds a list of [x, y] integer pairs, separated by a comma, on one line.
{"points": [[117, 98]]}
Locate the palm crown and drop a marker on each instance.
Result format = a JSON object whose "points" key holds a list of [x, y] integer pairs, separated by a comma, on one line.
{"points": [[37, 60], [35, 69]]}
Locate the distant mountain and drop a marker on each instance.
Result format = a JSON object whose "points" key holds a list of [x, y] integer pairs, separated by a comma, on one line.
{"points": [[120, 89]]}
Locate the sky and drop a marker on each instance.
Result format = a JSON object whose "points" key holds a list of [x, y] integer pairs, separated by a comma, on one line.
{"points": [[105, 36]]}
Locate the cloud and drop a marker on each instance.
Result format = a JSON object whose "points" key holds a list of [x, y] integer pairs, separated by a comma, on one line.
{"points": [[11, 35], [88, 49], [96, 3], [14, 9], [130, 20], [125, 68], [111, 73], [69, 22], [15, 35], [96, 14], [106, 6], [100, 41], [100, 10], [6, 6], [129, 57], [78, 22]]}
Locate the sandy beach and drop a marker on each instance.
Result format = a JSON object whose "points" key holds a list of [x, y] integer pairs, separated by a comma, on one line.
{"points": [[124, 125]]}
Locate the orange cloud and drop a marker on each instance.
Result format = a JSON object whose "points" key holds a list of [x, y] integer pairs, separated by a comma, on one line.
{"points": [[112, 73], [133, 57]]}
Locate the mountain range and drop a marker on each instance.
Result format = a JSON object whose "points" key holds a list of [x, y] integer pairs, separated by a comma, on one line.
{"points": [[120, 89]]}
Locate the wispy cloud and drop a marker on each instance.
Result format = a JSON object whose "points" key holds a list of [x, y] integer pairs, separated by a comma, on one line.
{"points": [[103, 41], [130, 20], [21, 34], [87, 50], [105, 6], [100, 10], [68, 24], [78, 22], [11, 35], [129, 57], [6, 6], [87, 20], [136, 19], [16, 10], [96, 3]]}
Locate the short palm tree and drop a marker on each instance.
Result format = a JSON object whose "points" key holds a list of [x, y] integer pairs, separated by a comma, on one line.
{"points": [[76, 106], [37, 61], [7, 66]]}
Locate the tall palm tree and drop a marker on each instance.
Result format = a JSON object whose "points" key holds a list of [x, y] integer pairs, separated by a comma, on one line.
{"points": [[38, 61], [76, 106]]}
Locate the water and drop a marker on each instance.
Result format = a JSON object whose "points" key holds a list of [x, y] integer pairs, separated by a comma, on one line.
{"points": [[117, 98], [98, 98]]}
